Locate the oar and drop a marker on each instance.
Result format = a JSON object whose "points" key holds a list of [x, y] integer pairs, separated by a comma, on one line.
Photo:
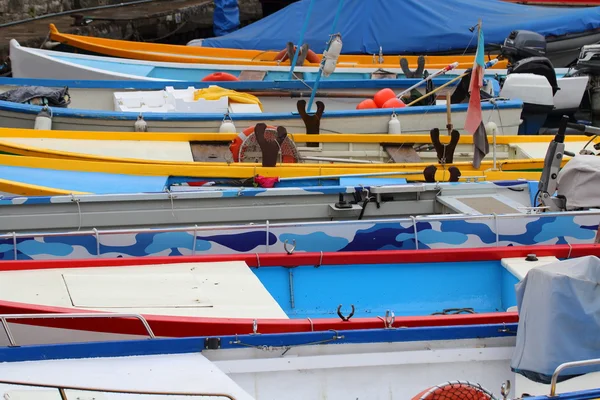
{"points": [[353, 175], [438, 89], [442, 71]]}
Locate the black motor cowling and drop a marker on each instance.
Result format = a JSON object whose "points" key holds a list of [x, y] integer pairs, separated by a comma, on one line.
{"points": [[523, 44], [588, 62], [538, 66]]}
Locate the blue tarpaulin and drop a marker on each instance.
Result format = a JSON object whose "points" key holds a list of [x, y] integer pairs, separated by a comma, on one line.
{"points": [[406, 26], [226, 18]]}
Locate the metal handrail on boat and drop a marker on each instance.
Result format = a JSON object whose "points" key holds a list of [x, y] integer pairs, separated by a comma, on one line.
{"points": [[567, 365], [61, 389], [11, 340]]}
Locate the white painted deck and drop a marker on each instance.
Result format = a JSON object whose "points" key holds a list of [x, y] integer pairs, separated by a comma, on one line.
{"points": [[538, 150], [147, 150], [519, 266], [170, 373], [224, 289]]}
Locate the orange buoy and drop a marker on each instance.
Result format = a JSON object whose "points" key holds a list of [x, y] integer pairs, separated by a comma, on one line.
{"points": [[311, 57], [393, 103], [219, 76], [366, 105], [383, 95]]}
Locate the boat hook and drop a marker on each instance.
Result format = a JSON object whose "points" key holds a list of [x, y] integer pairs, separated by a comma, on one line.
{"points": [[344, 317], [289, 251]]}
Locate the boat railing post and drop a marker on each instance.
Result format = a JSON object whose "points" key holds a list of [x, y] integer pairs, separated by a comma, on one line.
{"points": [[61, 389], [5, 317], [11, 339], [14, 235], [267, 239], [567, 365], [97, 236], [195, 240], [496, 228], [414, 220]]}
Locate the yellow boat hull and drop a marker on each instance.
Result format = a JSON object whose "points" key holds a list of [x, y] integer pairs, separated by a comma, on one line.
{"points": [[12, 143]]}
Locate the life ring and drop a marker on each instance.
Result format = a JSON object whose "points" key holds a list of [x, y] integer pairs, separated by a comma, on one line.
{"points": [[220, 76], [311, 57], [236, 145]]}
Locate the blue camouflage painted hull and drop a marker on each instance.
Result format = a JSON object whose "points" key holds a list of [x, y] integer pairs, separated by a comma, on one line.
{"points": [[398, 234]]}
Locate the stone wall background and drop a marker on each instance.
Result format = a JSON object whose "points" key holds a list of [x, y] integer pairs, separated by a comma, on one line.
{"points": [[14, 10]]}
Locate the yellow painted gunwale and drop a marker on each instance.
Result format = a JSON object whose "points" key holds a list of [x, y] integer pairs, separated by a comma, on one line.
{"points": [[207, 55], [222, 170], [26, 189]]}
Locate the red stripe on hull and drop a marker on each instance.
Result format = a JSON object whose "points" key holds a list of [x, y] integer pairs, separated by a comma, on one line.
{"points": [[175, 326]]}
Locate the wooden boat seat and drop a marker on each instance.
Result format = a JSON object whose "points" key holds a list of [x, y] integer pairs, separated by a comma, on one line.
{"points": [[482, 204], [252, 75]]}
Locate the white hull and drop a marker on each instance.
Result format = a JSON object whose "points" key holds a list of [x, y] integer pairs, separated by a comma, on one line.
{"points": [[397, 370], [507, 120]]}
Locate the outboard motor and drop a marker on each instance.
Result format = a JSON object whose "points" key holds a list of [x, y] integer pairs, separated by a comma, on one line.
{"points": [[588, 64], [530, 77]]}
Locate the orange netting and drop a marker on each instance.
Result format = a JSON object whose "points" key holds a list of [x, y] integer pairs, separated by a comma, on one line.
{"points": [[454, 391]]}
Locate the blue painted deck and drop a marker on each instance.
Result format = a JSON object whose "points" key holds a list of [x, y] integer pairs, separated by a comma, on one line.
{"points": [[93, 182], [405, 289]]}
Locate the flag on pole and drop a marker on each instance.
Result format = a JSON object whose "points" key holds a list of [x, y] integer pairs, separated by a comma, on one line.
{"points": [[474, 120]]}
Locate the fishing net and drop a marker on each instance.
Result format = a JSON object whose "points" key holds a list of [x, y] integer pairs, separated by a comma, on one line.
{"points": [[250, 149], [457, 390]]}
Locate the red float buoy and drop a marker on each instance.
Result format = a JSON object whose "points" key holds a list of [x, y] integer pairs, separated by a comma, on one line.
{"points": [[393, 103], [366, 105], [383, 95], [220, 76]]}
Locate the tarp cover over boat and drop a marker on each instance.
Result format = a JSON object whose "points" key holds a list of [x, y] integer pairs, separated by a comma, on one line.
{"points": [[579, 182], [559, 318], [226, 17], [405, 26]]}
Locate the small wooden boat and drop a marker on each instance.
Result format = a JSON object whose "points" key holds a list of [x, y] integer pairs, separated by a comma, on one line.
{"points": [[359, 89], [206, 55], [59, 175], [246, 356], [197, 295], [344, 215], [405, 151], [96, 114], [61, 65]]}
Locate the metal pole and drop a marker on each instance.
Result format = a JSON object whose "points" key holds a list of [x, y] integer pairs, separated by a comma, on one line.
{"points": [[314, 91], [302, 33]]}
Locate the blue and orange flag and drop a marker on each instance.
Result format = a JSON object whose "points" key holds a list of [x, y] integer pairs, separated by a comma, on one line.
{"points": [[474, 120]]}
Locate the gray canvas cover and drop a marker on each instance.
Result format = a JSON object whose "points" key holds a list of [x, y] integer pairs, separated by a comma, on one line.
{"points": [[559, 318], [579, 182], [38, 95]]}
